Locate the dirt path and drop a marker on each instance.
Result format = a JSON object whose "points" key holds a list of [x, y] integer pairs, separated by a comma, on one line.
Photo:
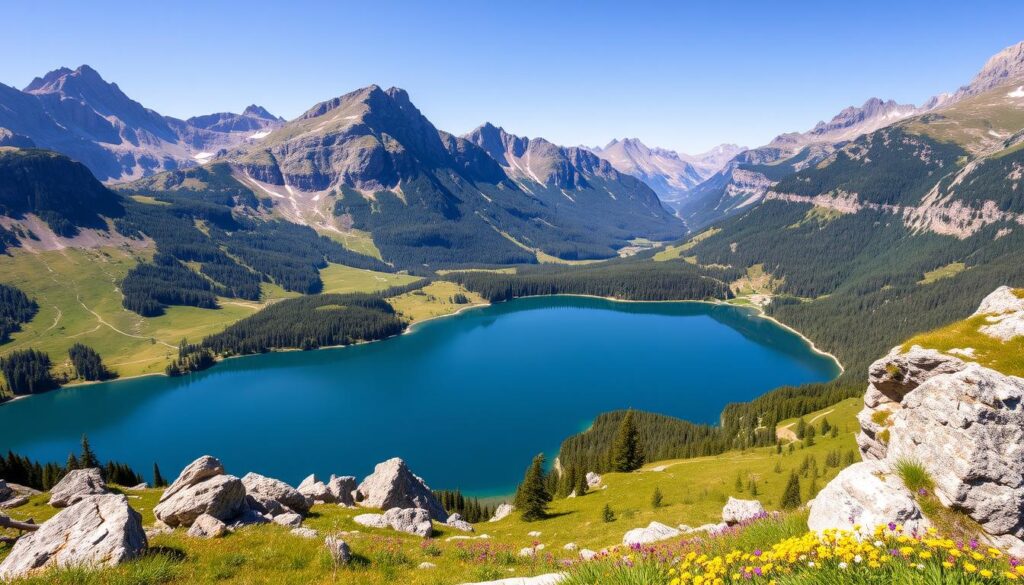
{"points": [[786, 433]]}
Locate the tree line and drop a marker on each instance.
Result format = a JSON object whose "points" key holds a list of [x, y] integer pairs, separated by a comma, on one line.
{"points": [[24, 471]]}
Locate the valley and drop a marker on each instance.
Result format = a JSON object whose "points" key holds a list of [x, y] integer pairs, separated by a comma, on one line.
{"points": [[751, 364]]}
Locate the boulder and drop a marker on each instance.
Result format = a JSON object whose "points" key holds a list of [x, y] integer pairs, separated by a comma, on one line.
{"points": [[138, 487], [570, 546], [393, 485], [6, 492], [13, 502], [456, 522], [206, 526], [890, 379], [966, 429], [75, 486], [98, 531], [201, 488], [339, 550], [587, 554], [316, 490], [411, 520], [371, 520], [266, 489], [865, 495], [291, 520], [426, 565], [654, 532], [502, 511], [593, 479], [341, 489], [737, 511]]}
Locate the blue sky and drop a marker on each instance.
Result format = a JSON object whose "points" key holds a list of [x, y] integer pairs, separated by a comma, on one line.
{"points": [[680, 75]]}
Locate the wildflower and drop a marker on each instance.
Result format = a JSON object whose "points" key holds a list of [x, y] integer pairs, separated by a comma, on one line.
{"points": [[843, 565], [857, 559]]}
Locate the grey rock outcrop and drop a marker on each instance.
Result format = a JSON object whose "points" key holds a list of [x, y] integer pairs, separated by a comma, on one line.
{"points": [[316, 490], [737, 511], [593, 479], [959, 420], [98, 531], [410, 520], [339, 550], [371, 520], [206, 526], [290, 519], [654, 532], [502, 511], [1004, 314], [75, 486], [455, 521], [890, 379], [201, 488], [393, 485], [266, 488], [341, 489], [5, 491], [865, 495]]}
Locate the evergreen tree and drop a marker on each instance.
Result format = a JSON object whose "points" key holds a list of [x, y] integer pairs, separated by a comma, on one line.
{"points": [[607, 514], [88, 459], [778, 467], [627, 453], [801, 428], [739, 483], [753, 488], [532, 496], [72, 463], [581, 482], [657, 498], [791, 494], [158, 479]]}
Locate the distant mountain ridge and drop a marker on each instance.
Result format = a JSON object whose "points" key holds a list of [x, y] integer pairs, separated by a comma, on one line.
{"points": [[671, 174], [78, 113]]}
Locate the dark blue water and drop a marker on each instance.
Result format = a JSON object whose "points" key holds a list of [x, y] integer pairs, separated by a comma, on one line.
{"points": [[466, 400]]}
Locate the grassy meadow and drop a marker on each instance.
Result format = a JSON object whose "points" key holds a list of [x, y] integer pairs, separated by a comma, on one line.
{"points": [[694, 492]]}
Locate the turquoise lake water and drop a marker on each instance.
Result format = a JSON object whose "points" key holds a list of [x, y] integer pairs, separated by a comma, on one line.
{"points": [[466, 400]]}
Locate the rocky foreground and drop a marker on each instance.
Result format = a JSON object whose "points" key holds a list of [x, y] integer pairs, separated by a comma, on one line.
{"points": [[961, 422], [97, 528]]}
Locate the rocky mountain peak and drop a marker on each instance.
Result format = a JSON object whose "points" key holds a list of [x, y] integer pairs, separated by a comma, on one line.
{"points": [[255, 111], [1006, 65]]}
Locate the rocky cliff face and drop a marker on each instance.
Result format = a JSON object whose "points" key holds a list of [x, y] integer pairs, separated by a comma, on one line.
{"points": [[959, 420]]}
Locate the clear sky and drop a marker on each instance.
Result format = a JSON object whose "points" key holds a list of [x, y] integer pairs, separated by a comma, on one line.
{"points": [[682, 75]]}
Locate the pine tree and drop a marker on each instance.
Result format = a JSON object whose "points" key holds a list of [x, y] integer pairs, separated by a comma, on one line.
{"points": [[778, 447], [627, 454], [753, 488], [72, 463], [607, 514], [835, 432], [532, 496], [656, 498], [158, 479], [791, 494], [581, 482], [812, 489], [88, 459], [778, 467], [801, 428]]}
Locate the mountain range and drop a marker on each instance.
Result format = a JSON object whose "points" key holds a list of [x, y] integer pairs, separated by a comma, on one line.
{"points": [[78, 113], [671, 174]]}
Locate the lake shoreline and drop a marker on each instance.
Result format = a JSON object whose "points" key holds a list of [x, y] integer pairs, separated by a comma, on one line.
{"points": [[755, 310]]}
